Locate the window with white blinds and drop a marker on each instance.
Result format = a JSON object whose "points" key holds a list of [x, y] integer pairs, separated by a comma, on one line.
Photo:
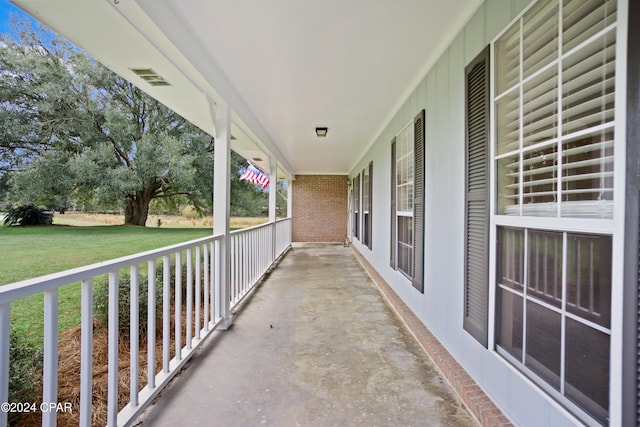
{"points": [[366, 207], [367, 211], [404, 198], [553, 156], [407, 201], [554, 109]]}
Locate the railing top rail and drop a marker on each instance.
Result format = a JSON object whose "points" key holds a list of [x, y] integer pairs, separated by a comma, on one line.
{"points": [[257, 227], [252, 228], [40, 284]]}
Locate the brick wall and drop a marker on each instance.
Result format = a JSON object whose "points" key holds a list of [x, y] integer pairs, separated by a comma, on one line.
{"points": [[319, 208]]}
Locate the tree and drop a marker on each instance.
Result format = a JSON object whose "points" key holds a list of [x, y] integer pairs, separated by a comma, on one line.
{"points": [[69, 125]]}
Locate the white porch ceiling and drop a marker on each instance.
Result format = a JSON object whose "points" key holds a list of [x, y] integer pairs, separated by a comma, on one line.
{"points": [[283, 66]]}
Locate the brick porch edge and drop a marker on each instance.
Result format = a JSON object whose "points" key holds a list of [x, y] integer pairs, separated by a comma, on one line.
{"points": [[477, 402]]}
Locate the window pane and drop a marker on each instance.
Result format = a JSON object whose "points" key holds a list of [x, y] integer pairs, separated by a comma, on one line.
{"points": [[545, 266], [405, 194], [587, 176], [511, 258], [365, 227], [540, 36], [589, 277], [540, 108], [585, 18], [588, 84], [405, 242], [543, 343], [509, 333], [508, 122], [509, 185], [508, 58], [365, 191], [540, 182], [587, 369]]}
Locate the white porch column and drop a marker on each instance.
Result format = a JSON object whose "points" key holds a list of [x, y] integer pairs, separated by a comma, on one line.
{"points": [[290, 196], [273, 181], [273, 176], [221, 205]]}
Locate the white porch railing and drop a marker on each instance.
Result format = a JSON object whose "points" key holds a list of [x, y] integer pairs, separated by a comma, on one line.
{"points": [[195, 267]]}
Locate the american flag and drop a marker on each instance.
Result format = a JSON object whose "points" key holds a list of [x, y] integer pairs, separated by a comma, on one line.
{"points": [[253, 175]]}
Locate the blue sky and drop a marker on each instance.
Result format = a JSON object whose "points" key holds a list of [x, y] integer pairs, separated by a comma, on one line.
{"points": [[6, 9]]}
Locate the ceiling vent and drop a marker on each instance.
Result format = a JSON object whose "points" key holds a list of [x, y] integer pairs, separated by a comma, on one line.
{"points": [[150, 76]]}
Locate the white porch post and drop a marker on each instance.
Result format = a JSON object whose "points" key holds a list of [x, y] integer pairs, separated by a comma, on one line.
{"points": [[221, 205], [273, 170], [290, 196]]}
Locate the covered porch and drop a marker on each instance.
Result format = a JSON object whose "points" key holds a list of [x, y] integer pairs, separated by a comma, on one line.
{"points": [[314, 344]]}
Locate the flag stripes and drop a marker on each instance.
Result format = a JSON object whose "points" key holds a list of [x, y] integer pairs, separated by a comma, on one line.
{"points": [[255, 176]]}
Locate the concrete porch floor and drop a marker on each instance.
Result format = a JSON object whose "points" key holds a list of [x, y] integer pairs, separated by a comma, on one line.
{"points": [[315, 345]]}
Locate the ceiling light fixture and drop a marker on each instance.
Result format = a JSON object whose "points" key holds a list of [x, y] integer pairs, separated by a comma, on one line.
{"points": [[321, 132]]}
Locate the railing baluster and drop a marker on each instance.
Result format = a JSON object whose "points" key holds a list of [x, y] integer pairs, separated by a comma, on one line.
{"points": [[50, 366], [134, 333], [255, 262], [198, 283], [243, 260], [189, 320], [166, 312], [232, 274], [86, 352], [112, 393], [236, 256], [151, 324], [231, 268], [205, 288], [5, 331], [178, 306], [217, 281], [212, 273]]}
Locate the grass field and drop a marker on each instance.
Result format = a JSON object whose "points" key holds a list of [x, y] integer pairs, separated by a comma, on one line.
{"points": [[76, 240]]}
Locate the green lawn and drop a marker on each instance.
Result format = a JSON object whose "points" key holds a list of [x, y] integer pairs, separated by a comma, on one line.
{"points": [[27, 252]]}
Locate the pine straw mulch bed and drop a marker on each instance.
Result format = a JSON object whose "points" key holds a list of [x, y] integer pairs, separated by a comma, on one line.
{"points": [[69, 374]]}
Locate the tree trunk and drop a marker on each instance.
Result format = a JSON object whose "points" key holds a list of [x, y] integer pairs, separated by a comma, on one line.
{"points": [[136, 209]]}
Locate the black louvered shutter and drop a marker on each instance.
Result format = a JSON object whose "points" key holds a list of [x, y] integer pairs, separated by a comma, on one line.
{"points": [[363, 210], [394, 219], [356, 207], [631, 288], [353, 208], [476, 276], [354, 212], [418, 202], [370, 221]]}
